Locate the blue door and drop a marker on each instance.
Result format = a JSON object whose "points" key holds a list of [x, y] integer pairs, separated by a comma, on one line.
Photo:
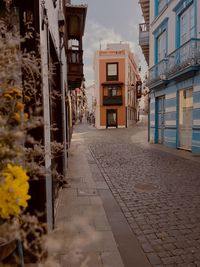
{"points": [[160, 119]]}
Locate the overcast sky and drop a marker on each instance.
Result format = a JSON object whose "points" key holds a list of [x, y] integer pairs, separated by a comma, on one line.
{"points": [[110, 21]]}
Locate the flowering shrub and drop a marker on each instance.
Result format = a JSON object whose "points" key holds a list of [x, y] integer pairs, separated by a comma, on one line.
{"points": [[13, 191]]}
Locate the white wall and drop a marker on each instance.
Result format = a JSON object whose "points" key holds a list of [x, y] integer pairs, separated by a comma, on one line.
{"points": [[90, 93], [97, 89], [52, 27], [155, 22]]}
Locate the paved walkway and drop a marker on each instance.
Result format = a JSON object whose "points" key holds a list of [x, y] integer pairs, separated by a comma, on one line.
{"points": [[91, 229], [129, 203]]}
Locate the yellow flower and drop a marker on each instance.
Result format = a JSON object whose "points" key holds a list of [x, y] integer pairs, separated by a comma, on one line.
{"points": [[7, 95], [20, 106], [17, 117], [13, 191], [27, 98], [25, 116], [13, 91]]}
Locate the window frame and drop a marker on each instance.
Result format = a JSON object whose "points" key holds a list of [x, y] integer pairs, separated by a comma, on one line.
{"points": [[182, 7], [157, 9], [112, 77], [157, 33], [109, 92]]}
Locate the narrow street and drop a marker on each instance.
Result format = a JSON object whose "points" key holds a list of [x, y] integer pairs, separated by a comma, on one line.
{"points": [[156, 189]]}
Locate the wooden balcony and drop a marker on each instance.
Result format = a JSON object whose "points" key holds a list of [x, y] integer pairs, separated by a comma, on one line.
{"points": [[112, 100], [144, 39], [139, 89], [145, 6], [74, 68]]}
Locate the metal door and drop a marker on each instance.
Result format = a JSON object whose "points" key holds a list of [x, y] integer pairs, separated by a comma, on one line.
{"points": [[185, 118], [160, 119]]}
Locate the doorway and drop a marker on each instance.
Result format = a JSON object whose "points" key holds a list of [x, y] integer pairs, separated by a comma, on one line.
{"points": [[185, 119], [160, 119], [111, 118]]}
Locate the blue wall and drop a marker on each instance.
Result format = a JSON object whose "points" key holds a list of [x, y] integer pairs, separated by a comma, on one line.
{"points": [[171, 112]]}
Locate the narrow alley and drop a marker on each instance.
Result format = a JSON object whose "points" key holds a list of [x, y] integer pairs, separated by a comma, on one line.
{"points": [[138, 204]]}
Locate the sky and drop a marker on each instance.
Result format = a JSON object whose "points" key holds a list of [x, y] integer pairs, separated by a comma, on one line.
{"points": [[110, 21]]}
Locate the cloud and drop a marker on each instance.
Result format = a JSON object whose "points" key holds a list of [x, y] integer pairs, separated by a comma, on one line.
{"points": [[96, 36]]}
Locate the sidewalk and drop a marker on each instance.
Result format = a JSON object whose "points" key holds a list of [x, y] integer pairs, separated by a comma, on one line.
{"points": [[81, 219]]}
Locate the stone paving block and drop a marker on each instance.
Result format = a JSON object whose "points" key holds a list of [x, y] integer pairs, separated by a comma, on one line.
{"points": [[84, 192], [153, 258], [78, 201], [169, 246], [147, 248], [142, 239], [101, 185], [188, 258], [157, 248], [177, 252], [172, 260], [101, 223], [90, 259], [111, 259], [96, 201], [106, 242]]}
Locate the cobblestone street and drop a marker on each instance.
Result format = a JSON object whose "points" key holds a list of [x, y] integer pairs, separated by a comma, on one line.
{"points": [[157, 190]]}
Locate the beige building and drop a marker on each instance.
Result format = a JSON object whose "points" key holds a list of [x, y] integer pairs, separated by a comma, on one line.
{"points": [[117, 87]]}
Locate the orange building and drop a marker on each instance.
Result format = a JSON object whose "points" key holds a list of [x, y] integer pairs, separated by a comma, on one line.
{"points": [[117, 87]]}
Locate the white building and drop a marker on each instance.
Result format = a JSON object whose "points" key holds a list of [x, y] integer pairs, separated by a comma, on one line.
{"points": [[90, 94], [171, 43]]}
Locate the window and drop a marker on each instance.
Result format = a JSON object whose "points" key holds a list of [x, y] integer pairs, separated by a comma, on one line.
{"points": [[187, 27], [112, 90], [54, 3], [161, 5], [112, 71], [161, 43]]}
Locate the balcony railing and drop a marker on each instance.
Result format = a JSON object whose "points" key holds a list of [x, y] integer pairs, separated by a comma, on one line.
{"points": [[112, 100], [188, 55], [158, 71], [143, 34]]}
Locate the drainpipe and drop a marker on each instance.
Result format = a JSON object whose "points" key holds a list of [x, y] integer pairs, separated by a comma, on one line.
{"points": [[44, 40], [64, 121], [148, 117]]}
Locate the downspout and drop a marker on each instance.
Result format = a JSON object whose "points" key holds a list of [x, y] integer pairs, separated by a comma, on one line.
{"points": [[44, 39], [63, 108]]}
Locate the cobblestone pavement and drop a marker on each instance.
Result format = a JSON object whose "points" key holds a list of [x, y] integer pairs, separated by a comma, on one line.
{"points": [[158, 192]]}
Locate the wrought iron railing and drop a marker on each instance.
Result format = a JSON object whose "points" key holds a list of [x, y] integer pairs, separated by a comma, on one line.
{"points": [[188, 55], [185, 56], [158, 72]]}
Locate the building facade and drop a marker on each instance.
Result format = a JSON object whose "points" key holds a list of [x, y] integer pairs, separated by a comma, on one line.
{"points": [[117, 87], [173, 29], [46, 27], [91, 101]]}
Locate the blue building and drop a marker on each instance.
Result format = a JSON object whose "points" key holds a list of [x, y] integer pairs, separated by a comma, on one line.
{"points": [[170, 40]]}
